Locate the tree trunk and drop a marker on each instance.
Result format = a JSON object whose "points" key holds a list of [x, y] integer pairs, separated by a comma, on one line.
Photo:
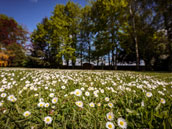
{"points": [[135, 36], [116, 59], [109, 59], [112, 58], [89, 52]]}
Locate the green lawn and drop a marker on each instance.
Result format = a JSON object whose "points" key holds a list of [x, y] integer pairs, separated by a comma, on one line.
{"points": [[76, 99]]}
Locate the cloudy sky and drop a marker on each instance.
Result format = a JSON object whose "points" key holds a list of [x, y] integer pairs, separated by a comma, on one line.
{"points": [[31, 12]]}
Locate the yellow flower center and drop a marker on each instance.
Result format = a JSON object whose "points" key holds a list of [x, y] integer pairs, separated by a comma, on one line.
{"points": [[110, 126], [48, 119], [110, 117], [77, 92], [41, 105], [121, 123], [26, 114], [162, 100]]}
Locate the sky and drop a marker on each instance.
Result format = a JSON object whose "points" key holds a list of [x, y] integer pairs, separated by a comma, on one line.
{"points": [[30, 12]]}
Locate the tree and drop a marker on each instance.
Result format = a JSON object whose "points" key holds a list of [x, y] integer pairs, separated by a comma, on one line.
{"points": [[12, 38]]}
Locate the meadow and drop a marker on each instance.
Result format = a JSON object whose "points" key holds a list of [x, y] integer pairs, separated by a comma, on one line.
{"points": [[76, 99]]}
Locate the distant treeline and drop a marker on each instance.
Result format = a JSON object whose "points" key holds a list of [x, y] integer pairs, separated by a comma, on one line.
{"points": [[103, 32]]}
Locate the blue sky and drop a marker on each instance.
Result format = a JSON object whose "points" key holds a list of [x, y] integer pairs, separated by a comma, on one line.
{"points": [[31, 12]]}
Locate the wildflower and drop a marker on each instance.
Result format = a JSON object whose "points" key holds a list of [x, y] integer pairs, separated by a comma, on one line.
{"points": [[41, 100], [99, 104], [48, 120], [26, 114], [79, 103], [2, 89], [110, 105], [63, 87], [110, 125], [142, 104], [106, 99], [87, 93], [78, 92], [92, 104], [51, 95], [3, 95], [162, 101], [54, 100], [46, 105], [122, 123], [12, 98], [148, 94], [110, 116], [41, 104]]}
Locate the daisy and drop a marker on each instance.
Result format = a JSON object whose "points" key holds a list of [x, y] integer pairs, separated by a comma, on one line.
{"points": [[99, 104], [46, 105], [54, 100], [106, 99], [12, 98], [26, 113], [48, 120], [148, 94], [142, 104], [92, 104], [51, 95], [63, 87], [110, 105], [41, 104], [122, 123], [162, 101], [79, 103], [110, 125], [110, 116], [78, 92], [87, 93], [2, 89], [3, 95]]}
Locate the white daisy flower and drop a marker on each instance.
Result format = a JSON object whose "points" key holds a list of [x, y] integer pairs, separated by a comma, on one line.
{"points": [[110, 125], [92, 104], [162, 101], [142, 104], [2, 89], [26, 113], [78, 92], [63, 87], [46, 105], [41, 104], [48, 120], [107, 99], [110, 116], [99, 104], [3, 95], [110, 105], [79, 104], [87, 93], [12, 98], [54, 100], [148, 94], [122, 123], [51, 95]]}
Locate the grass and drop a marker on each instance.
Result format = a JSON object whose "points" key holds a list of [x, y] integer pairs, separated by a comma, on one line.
{"points": [[138, 99]]}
